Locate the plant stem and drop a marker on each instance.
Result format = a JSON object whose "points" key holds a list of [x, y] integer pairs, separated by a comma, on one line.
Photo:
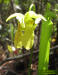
{"points": [[30, 62]]}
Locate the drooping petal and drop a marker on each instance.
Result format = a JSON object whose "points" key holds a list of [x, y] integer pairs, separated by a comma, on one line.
{"points": [[37, 20], [14, 15], [28, 39], [18, 37], [40, 16]]}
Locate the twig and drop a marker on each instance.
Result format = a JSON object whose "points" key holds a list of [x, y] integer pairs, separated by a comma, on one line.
{"points": [[24, 55], [56, 47]]}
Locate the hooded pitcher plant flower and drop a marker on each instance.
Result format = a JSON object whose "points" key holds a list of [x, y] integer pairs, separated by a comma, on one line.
{"points": [[24, 36]]}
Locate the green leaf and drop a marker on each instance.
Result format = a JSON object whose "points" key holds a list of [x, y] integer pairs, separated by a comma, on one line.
{"points": [[6, 1], [48, 13], [12, 32], [0, 1], [45, 38], [48, 6]]}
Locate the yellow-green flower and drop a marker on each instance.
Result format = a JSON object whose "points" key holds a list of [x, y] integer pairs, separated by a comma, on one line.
{"points": [[24, 36]]}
